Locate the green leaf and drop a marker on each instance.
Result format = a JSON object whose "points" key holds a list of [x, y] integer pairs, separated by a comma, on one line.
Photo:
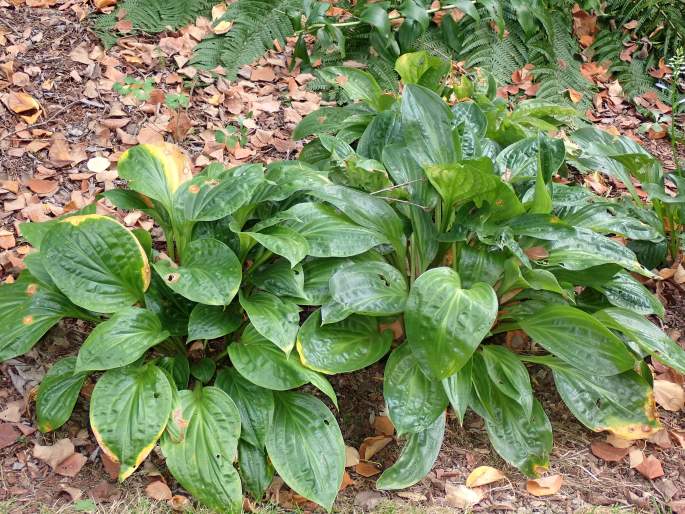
{"points": [[27, 311], [210, 273], [422, 68], [322, 121], [445, 323], [306, 447], [96, 262], [414, 400], [203, 461], [372, 289], [256, 405], [509, 375], [579, 339], [280, 279], [417, 458], [621, 404], [358, 84], [171, 308], [479, 264], [378, 18], [330, 234], [121, 340], [203, 370], [646, 335], [275, 319], [212, 321], [458, 183], [458, 390], [129, 410], [155, 170], [209, 198], [283, 241], [178, 368], [35, 232], [343, 347], [427, 126], [622, 290], [264, 364], [474, 125], [57, 394], [256, 470], [317, 274]]}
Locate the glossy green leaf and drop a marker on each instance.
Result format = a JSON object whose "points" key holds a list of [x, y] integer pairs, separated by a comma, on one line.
{"points": [[27, 311], [209, 198], [445, 323], [358, 84], [422, 68], [283, 241], [372, 289], [343, 347], [256, 470], [129, 410], [414, 400], [96, 262], [170, 307], [203, 369], [210, 273], [417, 458], [34, 232], [203, 461], [212, 321], [509, 375], [579, 339], [155, 170], [57, 394], [622, 290], [281, 279], [474, 125], [178, 368], [621, 404], [458, 390], [458, 183], [322, 121], [256, 405], [306, 447], [330, 234], [646, 335], [121, 340], [275, 319]]}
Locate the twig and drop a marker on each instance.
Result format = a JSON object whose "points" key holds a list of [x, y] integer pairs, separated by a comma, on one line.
{"points": [[398, 185]]}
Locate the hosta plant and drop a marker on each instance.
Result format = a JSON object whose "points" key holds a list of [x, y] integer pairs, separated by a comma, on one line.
{"points": [[442, 222]]}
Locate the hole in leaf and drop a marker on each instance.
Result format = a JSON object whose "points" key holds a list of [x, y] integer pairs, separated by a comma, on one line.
{"points": [[326, 422]]}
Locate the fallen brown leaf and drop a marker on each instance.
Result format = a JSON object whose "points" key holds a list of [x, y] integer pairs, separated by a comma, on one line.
{"points": [[24, 105], [8, 435], [484, 475], [42, 186], [158, 490], [372, 445], [462, 497], [650, 467], [71, 466], [351, 456], [180, 503], [669, 395], [367, 469], [55, 454], [346, 481], [382, 425], [545, 486], [607, 452]]}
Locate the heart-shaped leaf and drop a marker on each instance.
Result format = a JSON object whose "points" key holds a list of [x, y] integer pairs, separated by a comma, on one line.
{"points": [[212, 321], [275, 319], [57, 394]]}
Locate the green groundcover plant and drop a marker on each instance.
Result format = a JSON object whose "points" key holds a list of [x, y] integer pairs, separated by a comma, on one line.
{"points": [[442, 219]]}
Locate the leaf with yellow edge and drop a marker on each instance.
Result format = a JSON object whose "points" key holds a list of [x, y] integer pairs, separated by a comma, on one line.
{"points": [[155, 170], [484, 475], [129, 410]]}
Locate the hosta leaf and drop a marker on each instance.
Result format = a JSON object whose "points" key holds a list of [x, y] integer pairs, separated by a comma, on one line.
{"points": [[203, 461], [417, 458], [372, 289], [210, 272], [427, 126], [470, 180], [57, 394], [264, 364], [96, 262], [155, 170], [509, 375], [474, 127], [646, 335], [170, 307], [275, 319], [306, 447], [621, 404], [458, 390], [358, 84], [212, 321], [35, 232], [209, 198], [120, 340], [330, 234], [318, 272], [283, 241], [622, 290], [349, 345], [203, 370], [445, 323], [129, 409], [479, 264], [585, 249], [579, 339], [256, 405], [281, 279], [324, 120], [178, 368], [256, 470], [414, 400], [27, 311]]}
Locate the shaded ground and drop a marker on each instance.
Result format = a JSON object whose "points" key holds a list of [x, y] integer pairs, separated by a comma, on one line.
{"points": [[83, 118]]}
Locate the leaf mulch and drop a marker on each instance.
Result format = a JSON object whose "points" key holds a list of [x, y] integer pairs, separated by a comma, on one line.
{"points": [[62, 129]]}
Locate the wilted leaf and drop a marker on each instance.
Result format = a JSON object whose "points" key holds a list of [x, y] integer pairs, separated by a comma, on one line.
{"points": [[55, 454], [71, 466], [351, 456], [372, 445], [367, 469], [607, 452], [545, 486], [383, 425], [24, 105], [650, 467], [462, 497], [669, 395], [484, 475]]}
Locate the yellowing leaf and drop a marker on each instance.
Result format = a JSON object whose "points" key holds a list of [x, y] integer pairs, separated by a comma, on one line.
{"points": [[484, 475], [545, 486]]}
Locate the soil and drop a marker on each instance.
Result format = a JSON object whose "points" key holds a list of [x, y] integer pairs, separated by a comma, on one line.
{"points": [[27, 485]]}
